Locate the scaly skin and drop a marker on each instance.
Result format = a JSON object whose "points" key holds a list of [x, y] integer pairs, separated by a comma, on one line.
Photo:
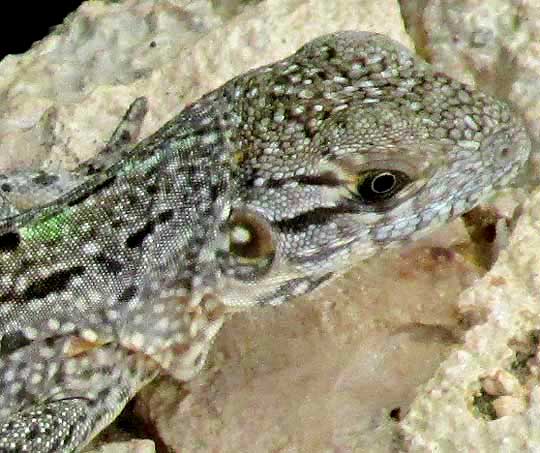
{"points": [[258, 192]]}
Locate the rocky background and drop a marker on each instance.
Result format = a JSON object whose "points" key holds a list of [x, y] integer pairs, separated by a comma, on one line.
{"points": [[429, 348]]}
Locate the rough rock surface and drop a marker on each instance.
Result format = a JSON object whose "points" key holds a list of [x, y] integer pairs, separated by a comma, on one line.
{"points": [[487, 390], [337, 371]]}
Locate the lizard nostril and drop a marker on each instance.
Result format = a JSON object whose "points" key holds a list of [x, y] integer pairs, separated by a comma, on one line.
{"points": [[506, 152]]}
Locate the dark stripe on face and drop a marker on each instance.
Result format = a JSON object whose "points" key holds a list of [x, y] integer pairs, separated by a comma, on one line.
{"points": [[327, 179], [315, 217]]}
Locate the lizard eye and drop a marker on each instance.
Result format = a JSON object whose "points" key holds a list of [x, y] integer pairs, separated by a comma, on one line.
{"points": [[373, 186], [251, 244]]}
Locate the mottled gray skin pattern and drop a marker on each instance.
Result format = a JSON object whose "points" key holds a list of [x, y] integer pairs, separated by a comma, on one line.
{"points": [[256, 193]]}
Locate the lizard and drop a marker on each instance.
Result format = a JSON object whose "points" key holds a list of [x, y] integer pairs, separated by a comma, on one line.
{"points": [[260, 191]]}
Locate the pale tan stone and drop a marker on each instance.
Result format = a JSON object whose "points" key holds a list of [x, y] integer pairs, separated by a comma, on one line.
{"points": [[445, 416]]}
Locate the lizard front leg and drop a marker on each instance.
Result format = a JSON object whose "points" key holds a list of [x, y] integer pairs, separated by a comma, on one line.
{"points": [[60, 404]]}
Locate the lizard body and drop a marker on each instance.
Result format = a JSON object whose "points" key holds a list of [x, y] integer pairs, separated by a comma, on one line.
{"points": [[258, 192]]}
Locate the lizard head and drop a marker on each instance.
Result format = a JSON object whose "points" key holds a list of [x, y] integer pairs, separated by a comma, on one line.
{"points": [[350, 146]]}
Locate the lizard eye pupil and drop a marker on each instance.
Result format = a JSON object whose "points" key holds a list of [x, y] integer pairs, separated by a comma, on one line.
{"points": [[251, 243], [383, 183], [374, 186]]}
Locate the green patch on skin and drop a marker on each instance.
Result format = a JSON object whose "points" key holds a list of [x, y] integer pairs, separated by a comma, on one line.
{"points": [[51, 226]]}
